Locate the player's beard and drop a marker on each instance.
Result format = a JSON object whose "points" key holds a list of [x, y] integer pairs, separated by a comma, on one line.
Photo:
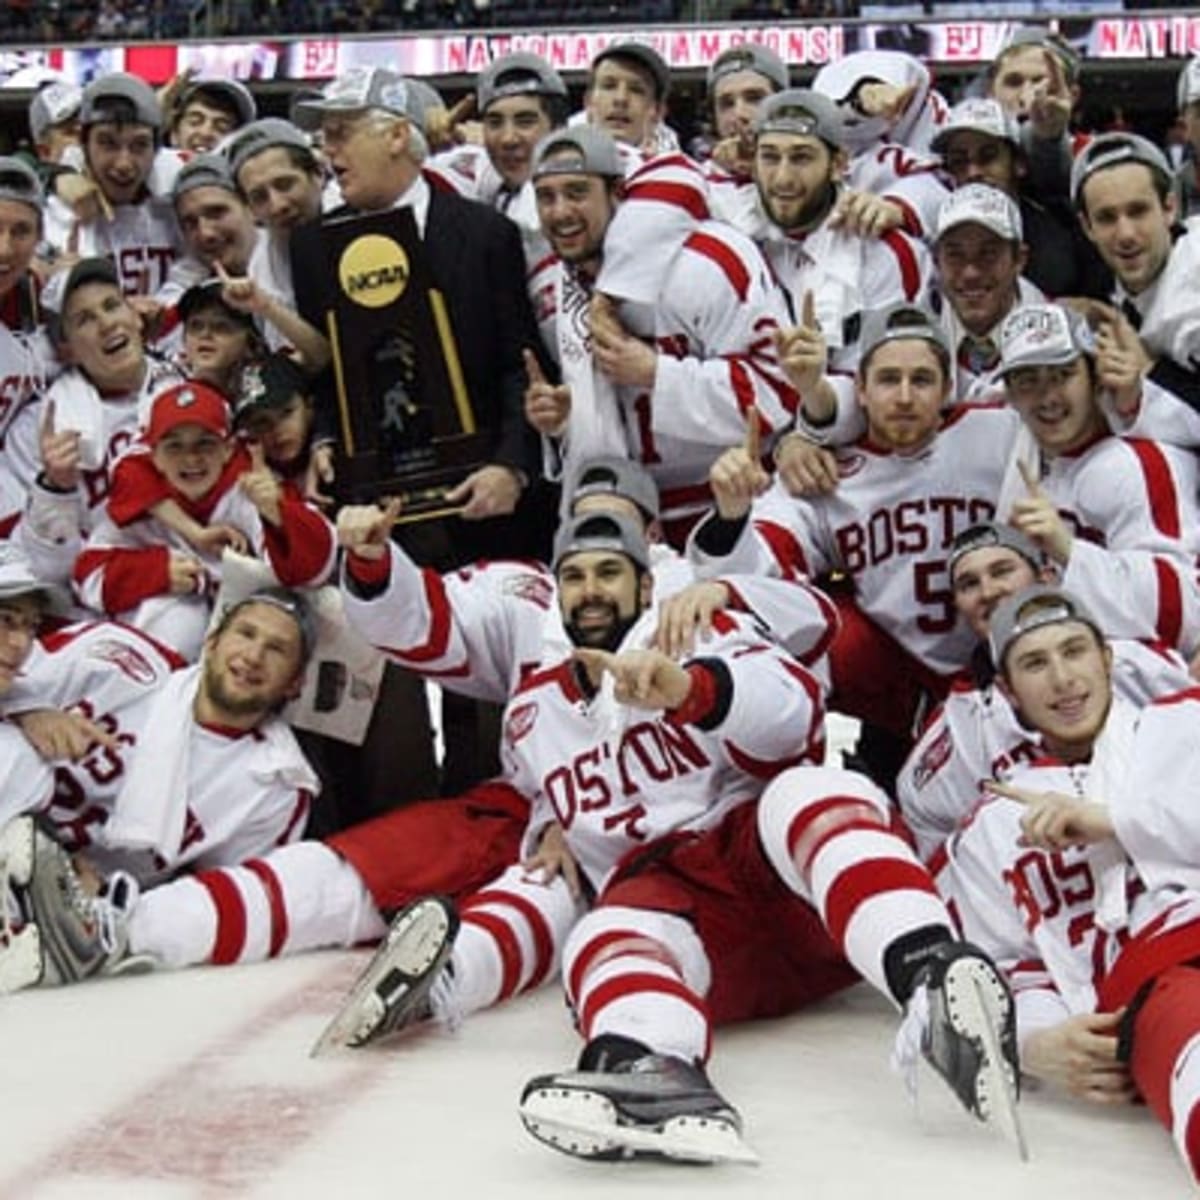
{"points": [[233, 706], [808, 217], [596, 637]]}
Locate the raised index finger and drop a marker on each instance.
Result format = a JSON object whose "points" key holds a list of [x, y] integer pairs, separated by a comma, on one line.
{"points": [[753, 443], [808, 310], [1008, 791], [48, 419], [1030, 475], [533, 368]]}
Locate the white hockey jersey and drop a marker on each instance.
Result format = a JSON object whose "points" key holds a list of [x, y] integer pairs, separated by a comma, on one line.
{"points": [[975, 735], [204, 797]]}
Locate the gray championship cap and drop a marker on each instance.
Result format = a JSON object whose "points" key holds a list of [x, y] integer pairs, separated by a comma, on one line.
{"points": [[898, 323], [17, 579], [288, 601], [62, 284], [801, 111], [981, 204], [1033, 608], [1187, 91], [359, 89], [977, 114], [55, 104], [19, 182], [601, 531], [264, 134], [579, 150], [749, 57], [205, 170], [1112, 150], [1043, 335], [611, 475], [1043, 39], [518, 74], [993, 533], [646, 57], [236, 94], [122, 99]]}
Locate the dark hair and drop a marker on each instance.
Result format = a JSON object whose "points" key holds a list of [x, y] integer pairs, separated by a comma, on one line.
{"points": [[215, 97]]}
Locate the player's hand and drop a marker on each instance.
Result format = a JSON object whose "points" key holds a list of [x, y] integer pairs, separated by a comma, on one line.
{"points": [[735, 155], [150, 312], [82, 195], [62, 736], [1080, 1055], [642, 678], [1122, 362], [866, 215], [318, 476], [803, 353], [447, 127], [625, 359], [59, 451], [1048, 103], [241, 292], [805, 468], [262, 487], [491, 491], [1054, 821], [365, 529], [738, 475], [172, 91], [547, 405], [186, 575], [687, 615], [553, 858], [212, 539], [887, 100], [1036, 516]]}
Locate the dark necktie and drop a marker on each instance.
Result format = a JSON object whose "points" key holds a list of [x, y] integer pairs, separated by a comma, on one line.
{"points": [[1131, 313], [978, 355]]}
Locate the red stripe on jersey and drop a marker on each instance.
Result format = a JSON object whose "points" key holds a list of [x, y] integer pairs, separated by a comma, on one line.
{"points": [[908, 214], [436, 643], [298, 817], [1160, 486], [788, 396], [803, 822], [867, 880], [1169, 624], [622, 987], [677, 195], [9, 524], [743, 391], [762, 768], [230, 939], [784, 546], [910, 272], [541, 265], [1182, 697], [726, 257], [275, 902], [543, 939]]}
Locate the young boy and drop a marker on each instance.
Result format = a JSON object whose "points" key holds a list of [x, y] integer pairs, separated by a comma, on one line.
{"points": [[275, 410], [218, 339], [136, 565]]}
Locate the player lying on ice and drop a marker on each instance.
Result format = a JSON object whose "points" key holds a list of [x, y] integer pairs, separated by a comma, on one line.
{"points": [[1079, 873], [712, 900]]}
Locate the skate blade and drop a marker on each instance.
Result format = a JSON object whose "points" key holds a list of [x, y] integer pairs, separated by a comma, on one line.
{"points": [[585, 1124], [354, 1023], [21, 961], [16, 851], [1000, 1085]]}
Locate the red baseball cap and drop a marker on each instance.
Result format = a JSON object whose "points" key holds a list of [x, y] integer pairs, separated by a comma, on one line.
{"points": [[188, 404]]}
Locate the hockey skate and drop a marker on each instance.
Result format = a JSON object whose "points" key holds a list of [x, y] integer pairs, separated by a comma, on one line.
{"points": [[66, 934], [655, 1106], [393, 992], [962, 1016]]}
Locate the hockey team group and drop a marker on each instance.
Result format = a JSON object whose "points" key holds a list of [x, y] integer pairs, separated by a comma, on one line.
{"points": [[885, 407]]}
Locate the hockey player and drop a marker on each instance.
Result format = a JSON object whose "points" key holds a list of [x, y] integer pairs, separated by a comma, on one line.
{"points": [[975, 734], [675, 372], [1079, 874], [208, 111]]}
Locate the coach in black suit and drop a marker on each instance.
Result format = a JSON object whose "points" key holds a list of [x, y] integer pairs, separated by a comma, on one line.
{"points": [[370, 124]]}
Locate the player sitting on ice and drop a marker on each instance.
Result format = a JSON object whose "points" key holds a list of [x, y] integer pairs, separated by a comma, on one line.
{"points": [[138, 566], [1080, 872]]}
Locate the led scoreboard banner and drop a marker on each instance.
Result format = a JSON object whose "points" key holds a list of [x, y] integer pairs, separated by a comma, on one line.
{"points": [[939, 42]]}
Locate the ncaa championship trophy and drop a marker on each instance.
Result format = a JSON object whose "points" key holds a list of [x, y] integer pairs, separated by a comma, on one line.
{"points": [[405, 423]]}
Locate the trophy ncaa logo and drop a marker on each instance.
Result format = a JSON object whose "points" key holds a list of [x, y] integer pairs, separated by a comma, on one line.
{"points": [[373, 271]]}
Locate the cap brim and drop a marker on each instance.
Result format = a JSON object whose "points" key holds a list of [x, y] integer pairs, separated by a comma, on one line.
{"points": [[57, 600]]}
